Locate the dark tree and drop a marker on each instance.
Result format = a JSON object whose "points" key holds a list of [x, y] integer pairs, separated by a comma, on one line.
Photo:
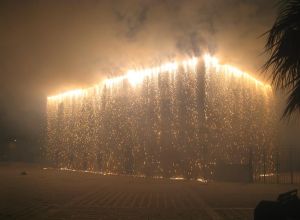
{"points": [[283, 48]]}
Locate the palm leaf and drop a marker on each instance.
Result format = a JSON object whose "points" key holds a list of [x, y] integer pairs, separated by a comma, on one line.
{"points": [[283, 47]]}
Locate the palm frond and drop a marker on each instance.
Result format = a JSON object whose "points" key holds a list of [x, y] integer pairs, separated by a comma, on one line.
{"points": [[283, 47], [293, 101]]}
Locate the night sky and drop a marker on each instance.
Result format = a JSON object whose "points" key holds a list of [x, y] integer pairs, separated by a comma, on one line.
{"points": [[51, 46]]}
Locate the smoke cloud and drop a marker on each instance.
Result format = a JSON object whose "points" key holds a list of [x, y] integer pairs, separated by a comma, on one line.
{"points": [[51, 46]]}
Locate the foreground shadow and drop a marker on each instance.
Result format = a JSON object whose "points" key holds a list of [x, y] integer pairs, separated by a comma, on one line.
{"points": [[287, 206]]}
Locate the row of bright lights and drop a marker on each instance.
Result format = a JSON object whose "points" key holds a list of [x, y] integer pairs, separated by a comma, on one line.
{"points": [[135, 77]]}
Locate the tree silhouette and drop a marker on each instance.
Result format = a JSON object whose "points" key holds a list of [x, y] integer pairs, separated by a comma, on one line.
{"points": [[283, 47]]}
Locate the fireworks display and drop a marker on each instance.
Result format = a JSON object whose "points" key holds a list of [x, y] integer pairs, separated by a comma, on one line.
{"points": [[177, 120]]}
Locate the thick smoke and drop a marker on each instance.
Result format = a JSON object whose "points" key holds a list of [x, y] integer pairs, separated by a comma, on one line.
{"points": [[51, 46]]}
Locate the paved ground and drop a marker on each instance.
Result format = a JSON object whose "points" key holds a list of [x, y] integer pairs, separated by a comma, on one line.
{"points": [[56, 195]]}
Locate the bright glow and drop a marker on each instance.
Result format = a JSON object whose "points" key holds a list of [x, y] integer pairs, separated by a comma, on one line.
{"points": [[71, 93], [177, 178], [213, 62], [169, 67], [190, 64], [267, 174], [202, 180], [136, 77], [113, 81]]}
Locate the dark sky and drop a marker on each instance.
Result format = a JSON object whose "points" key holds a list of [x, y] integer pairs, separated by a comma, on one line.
{"points": [[51, 46]]}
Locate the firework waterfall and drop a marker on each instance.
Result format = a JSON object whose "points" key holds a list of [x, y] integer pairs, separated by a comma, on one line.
{"points": [[176, 120]]}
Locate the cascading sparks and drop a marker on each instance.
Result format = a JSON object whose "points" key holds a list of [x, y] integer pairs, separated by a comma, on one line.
{"points": [[178, 120], [136, 77]]}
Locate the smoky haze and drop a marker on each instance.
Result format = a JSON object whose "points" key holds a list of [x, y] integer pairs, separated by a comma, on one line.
{"points": [[51, 46]]}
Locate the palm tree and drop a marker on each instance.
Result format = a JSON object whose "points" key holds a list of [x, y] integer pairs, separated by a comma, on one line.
{"points": [[283, 47]]}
